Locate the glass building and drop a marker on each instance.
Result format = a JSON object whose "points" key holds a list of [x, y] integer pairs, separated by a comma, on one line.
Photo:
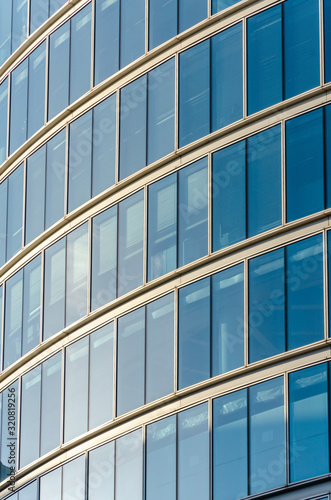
{"points": [[165, 249]]}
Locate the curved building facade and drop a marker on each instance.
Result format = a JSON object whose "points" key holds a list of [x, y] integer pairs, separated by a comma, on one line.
{"points": [[165, 246]]}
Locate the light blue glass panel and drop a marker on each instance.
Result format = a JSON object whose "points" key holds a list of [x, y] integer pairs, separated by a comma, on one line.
{"points": [[77, 274], [3, 119], [304, 165], [51, 485], [301, 46], [130, 243], [13, 319], [10, 401], [161, 111], [193, 212], [55, 5], [194, 93], [104, 145], [58, 76], [162, 226], [73, 482], [133, 127], [266, 309], [327, 40], [218, 5], [106, 44], [1, 323], [193, 454], [15, 212], [160, 348], [80, 161], [265, 59], [305, 310], [264, 181], [3, 221], [51, 399], [191, 12], [29, 492], [161, 460], [18, 106], [37, 82], [129, 464], [267, 436], [309, 434], [38, 13], [31, 305], [162, 21], [132, 31], [35, 194], [101, 472], [55, 176], [30, 416], [19, 22], [194, 333], [230, 446], [228, 320], [76, 389], [227, 77], [131, 361], [80, 53], [5, 30], [229, 195]]}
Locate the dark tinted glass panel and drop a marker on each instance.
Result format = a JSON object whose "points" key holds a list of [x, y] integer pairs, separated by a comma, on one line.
{"points": [[55, 173], [18, 106], [194, 93], [30, 416], [58, 76], [327, 39], [304, 165], [35, 194], [194, 333], [132, 30], [265, 65], [3, 221], [80, 47], [37, 82], [31, 304], [5, 30], [51, 485], [10, 400], [228, 320], [73, 478], [327, 159], [38, 13], [15, 212], [106, 45], [191, 12], [13, 315], [101, 472], [129, 464], [51, 398], [162, 21], [3, 119], [218, 5], [19, 22], [227, 77]]}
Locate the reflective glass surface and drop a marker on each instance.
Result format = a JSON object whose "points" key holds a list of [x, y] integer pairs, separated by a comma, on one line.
{"points": [[218, 5], [132, 38], [14, 320], [10, 399], [37, 79], [15, 212], [3, 118], [35, 194], [101, 472], [55, 178], [327, 153], [18, 106], [106, 44], [191, 12], [77, 273], [38, 13], [58, 67], [3, 220], [5, 30], [51, 485], [129, 464], [30, 416], [51, 399], [327, 39], [31, 304], [80, 52], [73, 479], [162, 21], [19, 23]]}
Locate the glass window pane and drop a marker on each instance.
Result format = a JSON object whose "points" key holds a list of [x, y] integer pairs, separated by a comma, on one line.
{"points": [[31, 305], [133, 102], [1, 323], [76, 389], [131, 361], [130, 243], [309, 435], [191, 12], [55, 5], [50, 485], [3, 221], [228, 320], [301, 46], [132, 30], [327, 152], [218, 5], [161, 460], [29, 492], [80, 161], [227, 77], [194, 333], [265, 59], [162, 21], [5, 30], [18, 106], [104, 145], [266, 307], [15, 212], [101, 472], [30, 416], [80, 50], [305, 311], [160, 348], [264, 181], [162, 226], [35, 194], [55, 168], [10, 397], [193, 212], [74, 479], [129, 464], [58, 76], [19, 23], [230, 446], [327, 40], [13, 322], [194, 93], [51, 398], [101, 376], [38, 13], [37, 83], [54, 288], [193, 453], [3, 116], [106, 44], [104, 258], [304, 165]]}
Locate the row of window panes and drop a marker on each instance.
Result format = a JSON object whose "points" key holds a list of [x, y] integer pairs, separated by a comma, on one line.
{"points": [[249, 429]]}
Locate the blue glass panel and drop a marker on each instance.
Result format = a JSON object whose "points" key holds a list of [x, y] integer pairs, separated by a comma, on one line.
{"points": [[29, 492], [35, 194], [161, 460], [228, 320], [327, 152], [193, 212], [191, 12], [327, 40], [5, 30], [73, 478], [10, 397], [106, 44], [162, 226], [129, 464], [309, 435], [101, 472], [194, 333], [161, 111], [3, 221], [58, 76], [230, 446], [1, 323], [38, 13], [266, 310], [305, 310], [218, 5], [3, 119], [19, 23], [31, 305], [133, 126], [13, 319], [131, 361], [304, 165], [55, 176], [18, 106], [15, 212], [51, 399], [227, 77], [264, 181], [80, 51], [30, 416], [265, 60], [132, 31], [51, 485], [55, 5], [301, 46], [162, 21]]}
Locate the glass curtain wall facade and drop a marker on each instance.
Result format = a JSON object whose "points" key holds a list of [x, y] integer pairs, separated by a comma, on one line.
{"points": [[165, 249]]}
